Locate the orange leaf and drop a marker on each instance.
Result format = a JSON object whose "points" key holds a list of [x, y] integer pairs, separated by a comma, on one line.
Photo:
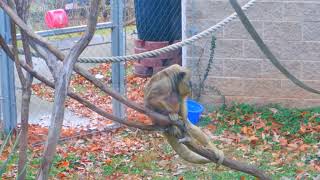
{"points": [[253, 139], [63, 164], [242, 178], [108, 161], [283, 142], [244, 130], [212, 127], [276, 125], [260, 125], [304, 147], [94, 147], [61, 175], [292, 147]]}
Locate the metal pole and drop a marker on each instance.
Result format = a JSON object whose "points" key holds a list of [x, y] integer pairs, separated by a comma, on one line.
{"points": [[184, 30], [7, 78], [118, 73]]}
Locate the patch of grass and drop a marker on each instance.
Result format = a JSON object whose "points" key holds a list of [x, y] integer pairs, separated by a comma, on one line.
{"points": [[120, 164], [147, 160], [32, 168], [210, 174], [236, 116], [204, 121], [55, 169], [108, 170], [78, 88], [167, 149], [92, 157], [73, 160], [311, 138]]}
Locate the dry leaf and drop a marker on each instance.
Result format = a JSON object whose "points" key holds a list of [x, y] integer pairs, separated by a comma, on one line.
{"points": [[283, 142], [292, 147], [63, 164], [108, 161], [304, 147], [212, 127]]}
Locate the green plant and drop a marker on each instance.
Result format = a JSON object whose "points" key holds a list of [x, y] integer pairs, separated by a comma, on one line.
{"points": [[198, 88], [108, 170]]}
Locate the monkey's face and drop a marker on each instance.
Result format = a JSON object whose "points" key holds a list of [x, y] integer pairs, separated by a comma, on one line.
{"points": [[184, 85]]}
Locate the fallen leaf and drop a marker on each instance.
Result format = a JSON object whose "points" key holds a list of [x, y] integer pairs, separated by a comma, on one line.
{"points": [[108, 161], [283, 142], [304, 147], [253, 140], [292, 147], [61, 175], [300, 164], [63, 164], [212, 127], [244, 130]]}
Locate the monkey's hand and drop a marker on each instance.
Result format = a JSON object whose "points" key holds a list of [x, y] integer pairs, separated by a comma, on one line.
{"points": [[174, 129], [185, 139], [174, 116]]}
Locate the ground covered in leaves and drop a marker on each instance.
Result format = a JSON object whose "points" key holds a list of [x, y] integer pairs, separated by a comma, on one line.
{"points": [[283, 142]]}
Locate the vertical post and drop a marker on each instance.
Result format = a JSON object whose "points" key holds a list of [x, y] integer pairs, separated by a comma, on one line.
{"points": [[117, 8], [184, 30], [7, 78]]}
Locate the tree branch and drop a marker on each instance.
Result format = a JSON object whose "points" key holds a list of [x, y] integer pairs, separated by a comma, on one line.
{"points": [[16, 54], [62, 81]]}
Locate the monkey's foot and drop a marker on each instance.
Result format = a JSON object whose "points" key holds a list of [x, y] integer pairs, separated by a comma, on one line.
{"points": [[184, 139], [174, 131], [220, 155]]}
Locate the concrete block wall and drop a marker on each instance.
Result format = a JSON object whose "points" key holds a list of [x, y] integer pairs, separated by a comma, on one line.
{"points": [[291, 28]]}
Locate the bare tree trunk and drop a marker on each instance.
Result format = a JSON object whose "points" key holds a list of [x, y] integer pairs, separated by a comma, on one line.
{"points": [[62, 74], [26, 82]]}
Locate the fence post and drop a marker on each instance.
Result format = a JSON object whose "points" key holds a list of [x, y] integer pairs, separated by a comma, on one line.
{"points": [[118, 72], [7, 79], [184, 30]]}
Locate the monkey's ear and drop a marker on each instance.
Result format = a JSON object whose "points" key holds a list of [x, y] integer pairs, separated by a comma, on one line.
{"points": [[181, 75]]}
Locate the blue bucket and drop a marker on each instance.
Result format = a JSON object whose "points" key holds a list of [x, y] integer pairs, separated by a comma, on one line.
{"points": [[194, 111]]}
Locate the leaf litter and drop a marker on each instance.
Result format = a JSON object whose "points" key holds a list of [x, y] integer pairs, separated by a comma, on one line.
{"points": [[255, 136]]}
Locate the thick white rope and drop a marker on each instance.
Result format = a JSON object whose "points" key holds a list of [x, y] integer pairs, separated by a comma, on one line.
{"points": [[166, 49], [169, 48]]}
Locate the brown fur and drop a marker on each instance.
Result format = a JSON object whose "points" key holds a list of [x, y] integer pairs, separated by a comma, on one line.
{"points": [[166, 93]]}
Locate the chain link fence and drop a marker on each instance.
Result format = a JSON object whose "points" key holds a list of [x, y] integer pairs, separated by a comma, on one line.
{"points": [[157, 24], [148, 25]]}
